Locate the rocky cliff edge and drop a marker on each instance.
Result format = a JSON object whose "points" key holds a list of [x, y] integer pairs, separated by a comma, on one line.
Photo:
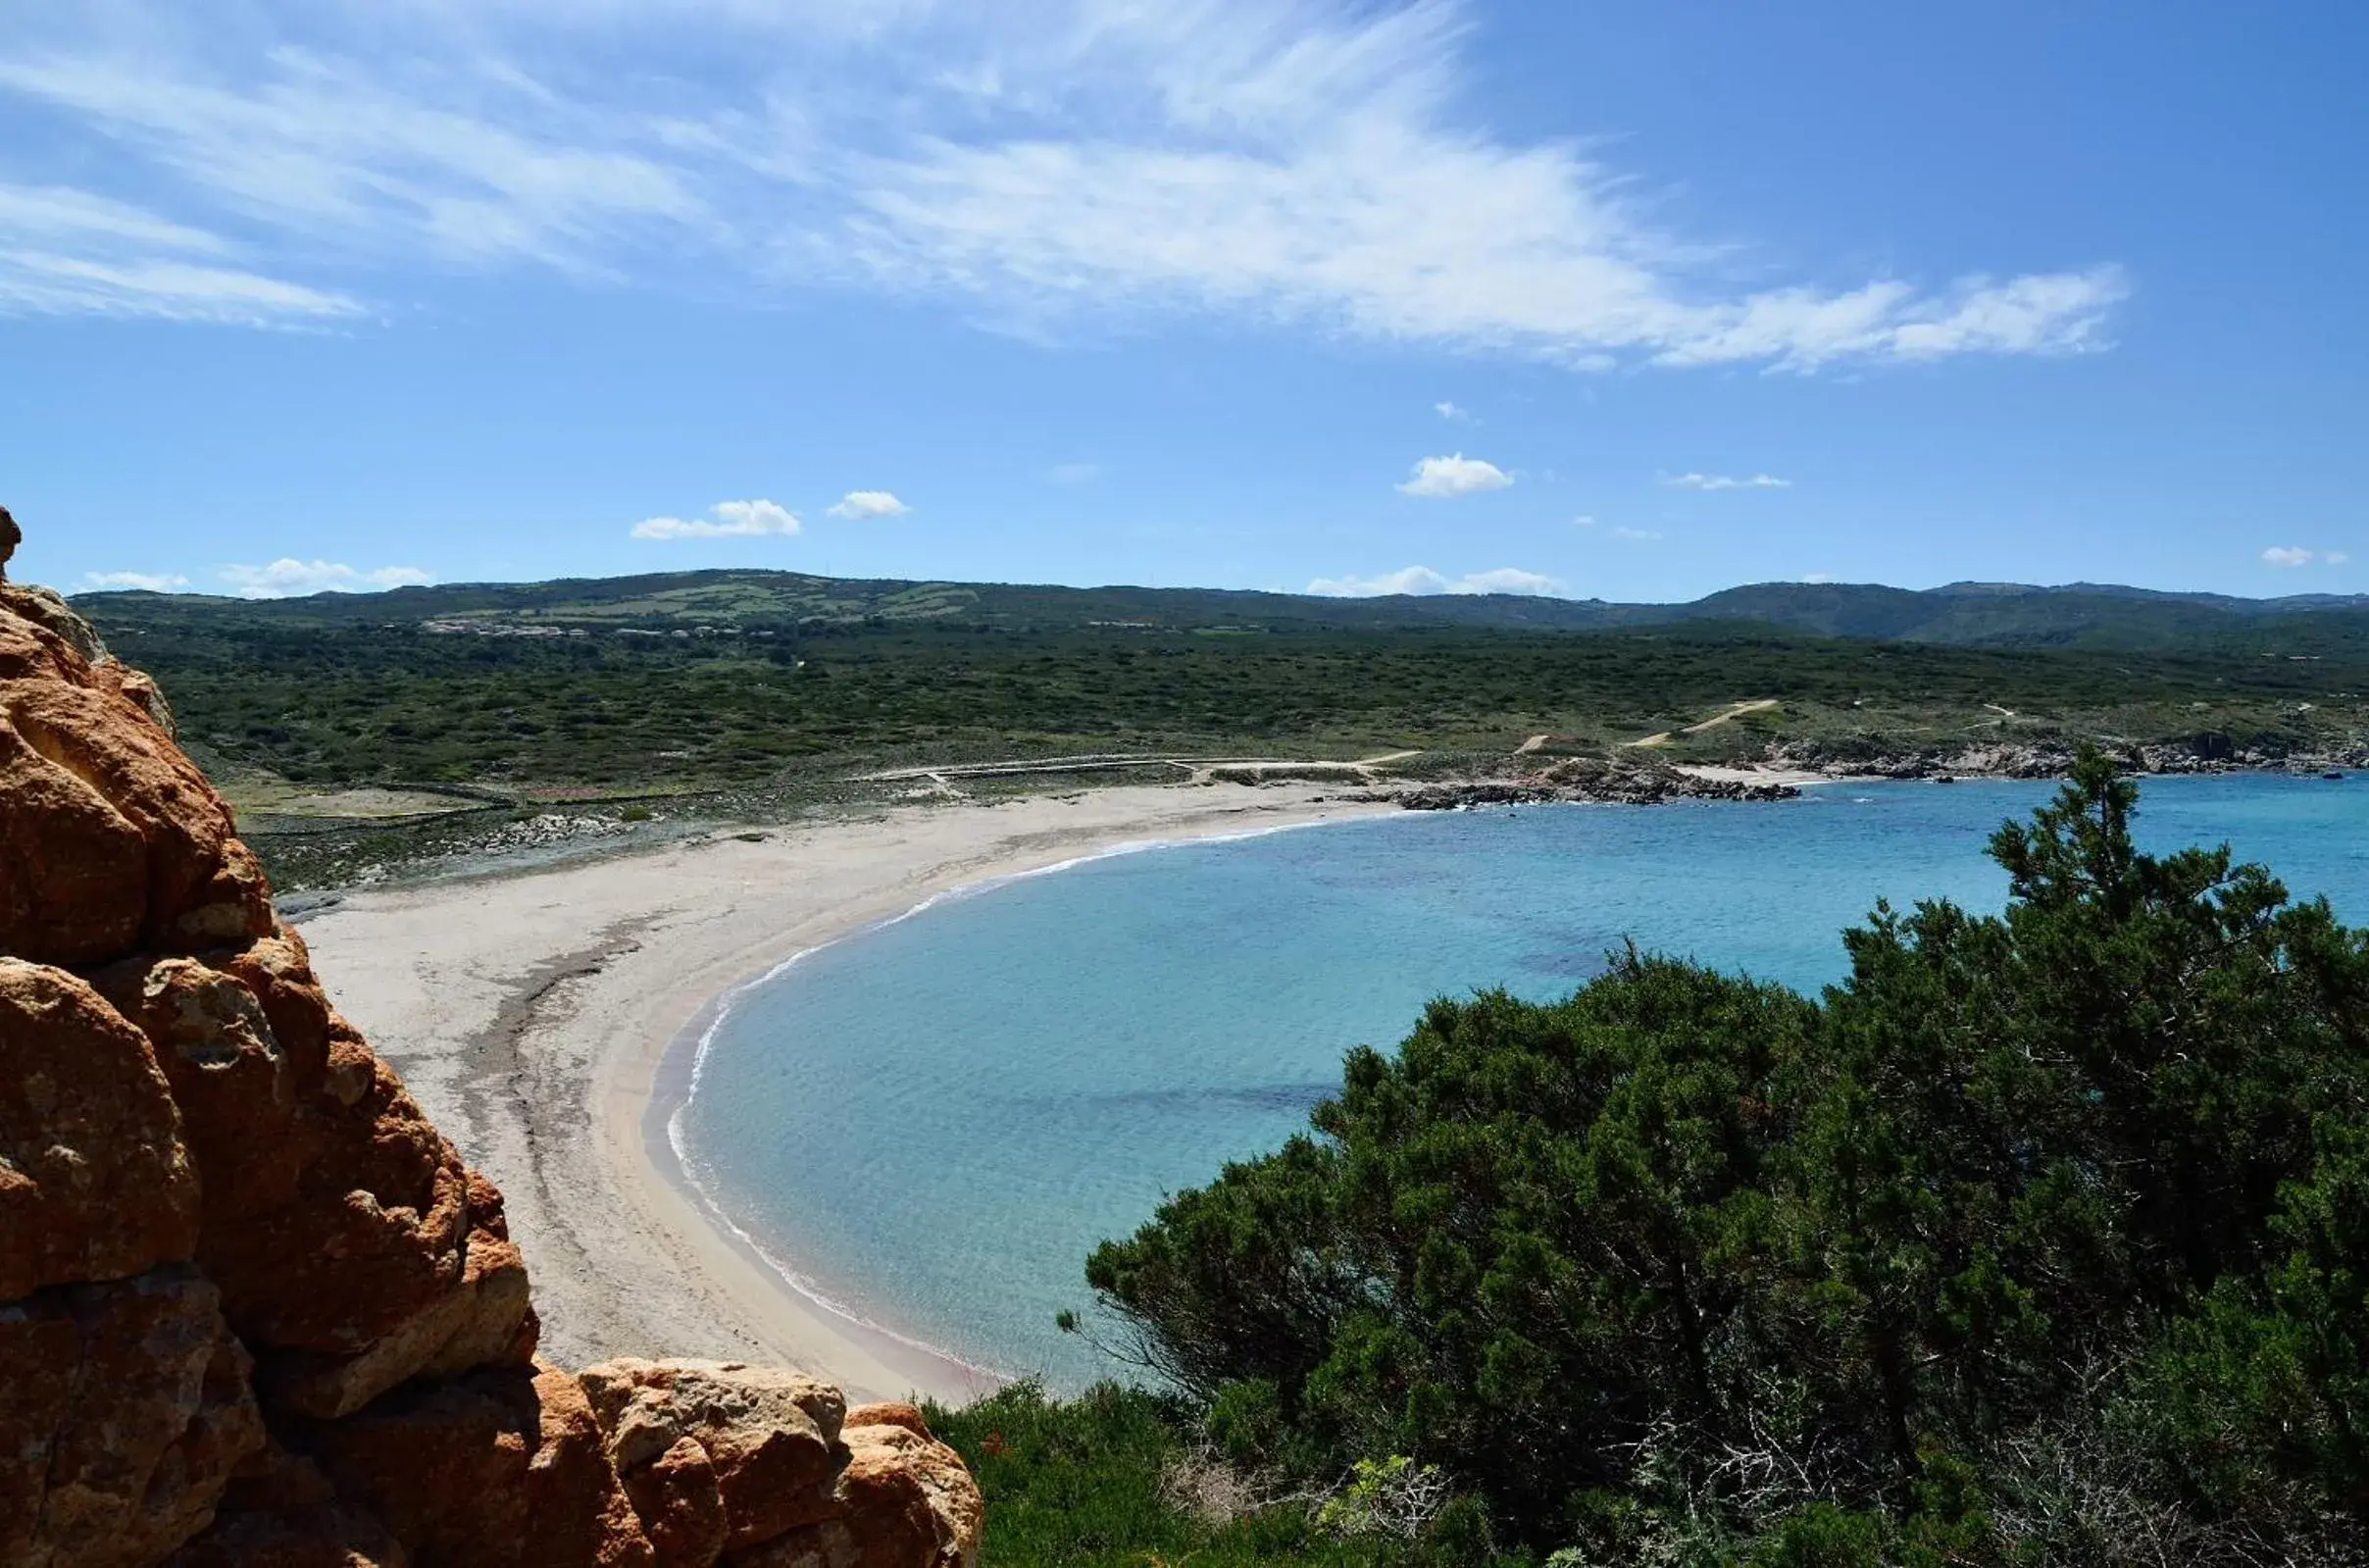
{"points": [[254, 1309]]}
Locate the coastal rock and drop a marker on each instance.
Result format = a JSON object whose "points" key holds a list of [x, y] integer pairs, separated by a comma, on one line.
{"points": [[112, 843], [1627, 781], [902, 1501], [486, 1470], [770, 1439], [123, 1410], [95, 1183], [254, 1308]]}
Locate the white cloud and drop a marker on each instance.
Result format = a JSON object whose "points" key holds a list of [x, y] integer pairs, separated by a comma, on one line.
{"points": [[71, 252], [288, 577], [54, 213], [1510, 580], [1635, 535], [862, 505], [1449, 411], [1817, 578], [2335, 558], [1582, 520], [1723, 481], [1446, 478], [1314, 162], [1422, 580], [2292, 556], [43, 283], [140, 581], [733, 519]]}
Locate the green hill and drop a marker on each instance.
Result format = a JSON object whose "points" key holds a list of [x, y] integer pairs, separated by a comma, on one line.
{"points": [[1963, 614]]}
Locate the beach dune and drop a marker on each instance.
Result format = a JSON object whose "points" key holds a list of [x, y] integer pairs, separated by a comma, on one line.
{"points": [[545, 1022]]}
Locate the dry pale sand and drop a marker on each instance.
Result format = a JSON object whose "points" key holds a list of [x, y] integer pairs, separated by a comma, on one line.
{"points": [[545, 1022]]}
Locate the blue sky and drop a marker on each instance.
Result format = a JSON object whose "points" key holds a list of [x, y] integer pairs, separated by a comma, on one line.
{"points": [[1635, 300]]}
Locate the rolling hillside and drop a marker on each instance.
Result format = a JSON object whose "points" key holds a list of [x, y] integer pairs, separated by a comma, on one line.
{"points": [[1964, 614]]}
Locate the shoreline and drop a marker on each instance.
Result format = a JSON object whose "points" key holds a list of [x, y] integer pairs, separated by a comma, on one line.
{"points": [[675, 1083], [549, 1023]]}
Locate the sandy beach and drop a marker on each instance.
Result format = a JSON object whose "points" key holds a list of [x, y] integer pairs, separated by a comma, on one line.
{"points": [[545, 1021]]}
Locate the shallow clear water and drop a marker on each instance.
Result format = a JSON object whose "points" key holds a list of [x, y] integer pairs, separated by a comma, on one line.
{"points": [[936, 1120]]}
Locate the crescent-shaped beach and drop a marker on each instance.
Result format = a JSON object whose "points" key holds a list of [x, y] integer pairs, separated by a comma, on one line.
{"points": [[546, 1022]]}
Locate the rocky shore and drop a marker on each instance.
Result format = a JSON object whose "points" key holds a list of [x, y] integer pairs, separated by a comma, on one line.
{"points": [[1621, 780], [2208, 752], [1649, 781]]}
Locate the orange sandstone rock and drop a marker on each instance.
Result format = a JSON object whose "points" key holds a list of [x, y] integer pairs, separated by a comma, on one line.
{"points": [[133, 1397], [94, 1180]]}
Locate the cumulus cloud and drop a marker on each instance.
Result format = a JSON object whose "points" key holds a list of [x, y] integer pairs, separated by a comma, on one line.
{"points": [[1446, 478], [288, 577], [2292, 556], [730, 520], [1723, 481], [865, 504], [139, 582], [1422, 580], [1310, 162], [1451, 412]]}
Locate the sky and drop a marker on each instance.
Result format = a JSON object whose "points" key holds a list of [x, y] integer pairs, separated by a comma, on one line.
{"points": [[1632, 299]]}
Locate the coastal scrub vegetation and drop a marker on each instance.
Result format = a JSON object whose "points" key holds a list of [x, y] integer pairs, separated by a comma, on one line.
{"points": [[2042, 1237], [337, 703]]}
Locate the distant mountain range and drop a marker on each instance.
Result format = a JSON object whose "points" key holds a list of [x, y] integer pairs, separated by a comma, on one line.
{"points": [[1963, 614]]}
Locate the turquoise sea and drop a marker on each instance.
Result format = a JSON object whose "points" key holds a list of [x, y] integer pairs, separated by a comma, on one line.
{"points": [[932, 1123]]}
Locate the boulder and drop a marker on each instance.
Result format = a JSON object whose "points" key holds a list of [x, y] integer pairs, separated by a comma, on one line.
{"points": [[123, 1410], [770, 1439], [486, 1471], [95, 1183], [903, 1499]]}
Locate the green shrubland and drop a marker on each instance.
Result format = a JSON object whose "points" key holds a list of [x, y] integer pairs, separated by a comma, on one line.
{"points": [[2039, 1239]]}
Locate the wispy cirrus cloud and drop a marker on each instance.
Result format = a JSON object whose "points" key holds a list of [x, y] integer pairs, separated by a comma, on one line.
{"points": [[64, 251], [1304, 161], [1422, 580], [728, 519], [1441, 479]]}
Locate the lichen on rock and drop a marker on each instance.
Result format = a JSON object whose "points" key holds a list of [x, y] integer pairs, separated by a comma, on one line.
{"points": [[254, 1307]]}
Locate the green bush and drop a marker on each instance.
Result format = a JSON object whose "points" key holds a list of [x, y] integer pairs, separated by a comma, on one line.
{"points": [[2039, 1239], [1103, 1482]]}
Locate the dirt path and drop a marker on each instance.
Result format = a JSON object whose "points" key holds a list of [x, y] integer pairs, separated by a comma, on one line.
{"points": [[1532, 745], [1734, 711]]}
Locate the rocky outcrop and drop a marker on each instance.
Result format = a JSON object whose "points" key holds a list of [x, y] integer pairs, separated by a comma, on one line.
{"points": [[254, 1308], [2208, 751], [1624, 780]]}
